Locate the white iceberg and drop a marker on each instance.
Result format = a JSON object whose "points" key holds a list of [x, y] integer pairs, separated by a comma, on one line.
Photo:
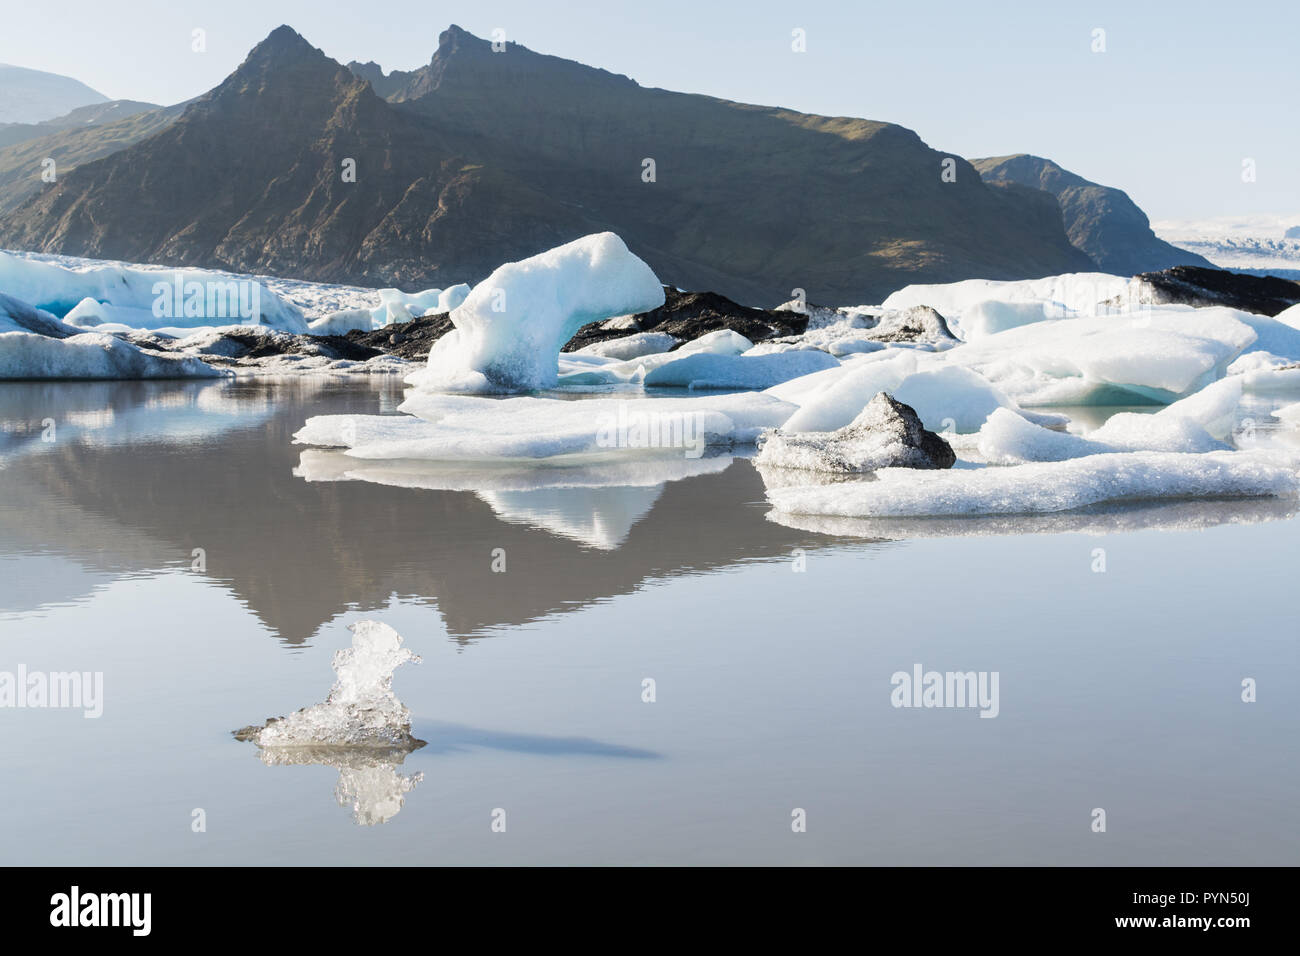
{"points": [[510, 329], [1157, 356], [147, 298]]}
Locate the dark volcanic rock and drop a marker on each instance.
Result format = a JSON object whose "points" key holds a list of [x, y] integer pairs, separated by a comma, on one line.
{"points": [[411, 340], [688, 315], [1188, 285], [917, 324], [886, 434]]}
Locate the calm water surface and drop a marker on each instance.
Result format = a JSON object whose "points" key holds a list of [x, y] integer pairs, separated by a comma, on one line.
{"points": [[1118, 690]]}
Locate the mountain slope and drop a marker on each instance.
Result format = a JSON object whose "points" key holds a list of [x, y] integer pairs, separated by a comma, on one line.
{"points": [[31, 96], [1100, 220], [71, 146], [482, 157], [96, 114]]}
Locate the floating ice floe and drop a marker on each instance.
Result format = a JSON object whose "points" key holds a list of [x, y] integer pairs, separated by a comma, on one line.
{"points": [[361, 710], [1044, 488], [510, 329], [1181, 515], [466, 428]]}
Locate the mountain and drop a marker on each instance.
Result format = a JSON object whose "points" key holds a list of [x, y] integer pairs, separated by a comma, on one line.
{"points": [[31, 96], [1100, 220], [96, 114], [483, 157], [70, 145]]}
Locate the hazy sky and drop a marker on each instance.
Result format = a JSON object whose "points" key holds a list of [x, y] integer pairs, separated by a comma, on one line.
{"points": [[1183, 93]]}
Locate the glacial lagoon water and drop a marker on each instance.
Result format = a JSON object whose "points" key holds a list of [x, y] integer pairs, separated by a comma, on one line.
{"points": [[168, 538]]}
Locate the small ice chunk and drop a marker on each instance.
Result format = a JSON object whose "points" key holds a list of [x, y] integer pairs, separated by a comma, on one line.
{"points": [[361, 709]]}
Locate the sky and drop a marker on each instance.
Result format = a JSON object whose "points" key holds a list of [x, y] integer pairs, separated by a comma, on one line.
{"points": [[1183, 95]]}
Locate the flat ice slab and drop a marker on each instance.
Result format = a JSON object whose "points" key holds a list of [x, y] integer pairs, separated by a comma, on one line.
{"points": [[1044, 488]]}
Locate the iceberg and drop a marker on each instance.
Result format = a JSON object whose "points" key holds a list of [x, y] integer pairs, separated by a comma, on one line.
{"points": [[90, 355], [1046, 487], [147, 298], [1150, 357], [510, 329], [361, 710], [18, 316]]}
